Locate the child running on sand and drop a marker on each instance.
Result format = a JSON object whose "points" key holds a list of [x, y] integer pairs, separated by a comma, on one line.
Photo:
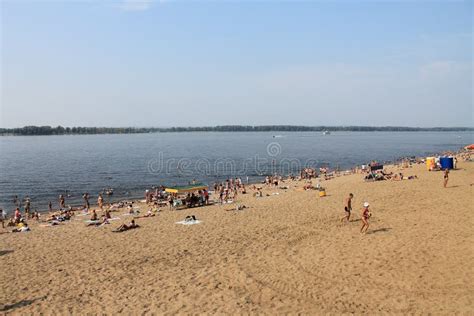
{"points": [[347, 207], [365, 218]]}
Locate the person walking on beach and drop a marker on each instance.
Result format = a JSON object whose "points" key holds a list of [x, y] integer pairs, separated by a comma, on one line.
{"points": [[446, 177], [347, 207], [365, 218], [50, 206]]}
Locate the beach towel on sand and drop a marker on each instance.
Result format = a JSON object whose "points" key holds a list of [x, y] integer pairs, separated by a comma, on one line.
{"points": [[189, 222]]}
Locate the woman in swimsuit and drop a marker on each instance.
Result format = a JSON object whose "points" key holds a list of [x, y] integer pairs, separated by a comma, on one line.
{"points": [[446, 177], [365, 218]]}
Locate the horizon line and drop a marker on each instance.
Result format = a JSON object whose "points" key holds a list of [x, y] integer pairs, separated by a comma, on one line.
{"points": [[227, 128], [243, 125]]}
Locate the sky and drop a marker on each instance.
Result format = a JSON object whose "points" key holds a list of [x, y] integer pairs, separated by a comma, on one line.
{"points": [[148, 63]]}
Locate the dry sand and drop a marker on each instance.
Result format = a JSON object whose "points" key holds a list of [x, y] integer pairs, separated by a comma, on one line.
{"points": [[287, 253]]}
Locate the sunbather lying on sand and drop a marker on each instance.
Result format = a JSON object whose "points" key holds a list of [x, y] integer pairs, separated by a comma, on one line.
{"points": [[125, 227], [116, 206], [101, 222], [60, 216], [190, 218], [149, 213], [238, 208], [21, 227]]}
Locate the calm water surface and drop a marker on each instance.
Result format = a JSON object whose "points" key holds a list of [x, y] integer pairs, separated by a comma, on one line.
{"points": [[45, 166]]}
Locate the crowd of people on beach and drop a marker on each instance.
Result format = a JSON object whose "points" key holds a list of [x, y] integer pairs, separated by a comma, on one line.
{"points": [[229, 189], [225, 192]]}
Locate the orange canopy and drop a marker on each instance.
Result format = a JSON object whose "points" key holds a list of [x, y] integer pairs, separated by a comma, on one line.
{"points": [[470, 147]]}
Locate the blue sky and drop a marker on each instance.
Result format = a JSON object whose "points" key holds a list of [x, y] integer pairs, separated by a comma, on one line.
{"points": [[160, 63]]}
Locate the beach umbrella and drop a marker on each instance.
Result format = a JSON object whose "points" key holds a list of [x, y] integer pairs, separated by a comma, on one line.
{"points": [[469, 147]]}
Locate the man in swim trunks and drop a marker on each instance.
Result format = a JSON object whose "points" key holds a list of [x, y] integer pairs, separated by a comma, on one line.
{"points": [[347, 207]]}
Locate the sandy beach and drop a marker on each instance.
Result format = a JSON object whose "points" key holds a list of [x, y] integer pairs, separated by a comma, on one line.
{"points": [[285, 253]]}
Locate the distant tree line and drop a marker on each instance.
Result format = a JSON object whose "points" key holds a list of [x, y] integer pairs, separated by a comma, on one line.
{"points": [[59, 130]]}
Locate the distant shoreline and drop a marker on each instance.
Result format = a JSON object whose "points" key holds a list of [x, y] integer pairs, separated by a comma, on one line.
{"points": [[59, 130]]}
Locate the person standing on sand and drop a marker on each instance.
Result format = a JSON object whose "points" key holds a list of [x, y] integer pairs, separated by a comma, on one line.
{"points": [[347, 207], [85, 196], [3, 217], [365, 218], [100, 201], [446, 177], [206, 196], [17, 215], [62, 202], [50, 206], [27, 207]]}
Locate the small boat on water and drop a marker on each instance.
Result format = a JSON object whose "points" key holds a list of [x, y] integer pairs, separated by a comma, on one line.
{"points": [[326, 133]]}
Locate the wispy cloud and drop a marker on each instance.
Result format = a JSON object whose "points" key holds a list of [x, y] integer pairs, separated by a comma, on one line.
{"points": [[135, 5]]}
